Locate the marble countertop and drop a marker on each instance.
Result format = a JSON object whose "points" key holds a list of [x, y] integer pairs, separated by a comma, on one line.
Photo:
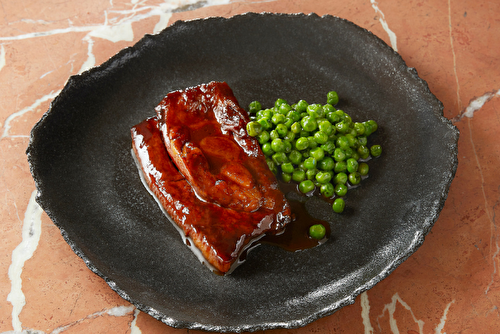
{"points": [[450, 285]]}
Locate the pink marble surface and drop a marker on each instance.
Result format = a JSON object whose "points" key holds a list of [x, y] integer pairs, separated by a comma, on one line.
{"points": [[450, 285]]}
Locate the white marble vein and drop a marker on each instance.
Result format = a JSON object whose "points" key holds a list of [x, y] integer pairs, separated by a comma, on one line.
{"points": [[31, 231], [383, 22], [439, 328], [365, 313], [2, 56], [391, 309], [459, 100]]}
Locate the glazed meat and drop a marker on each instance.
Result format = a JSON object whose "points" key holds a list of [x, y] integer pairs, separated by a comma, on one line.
{"points": [[215, 184], [204, 132]]}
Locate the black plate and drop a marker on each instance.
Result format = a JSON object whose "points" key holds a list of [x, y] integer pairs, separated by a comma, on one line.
{"points": [[88, 184]]}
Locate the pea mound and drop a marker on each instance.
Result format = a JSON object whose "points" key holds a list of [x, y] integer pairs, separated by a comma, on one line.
{"points": [[317, 146]]}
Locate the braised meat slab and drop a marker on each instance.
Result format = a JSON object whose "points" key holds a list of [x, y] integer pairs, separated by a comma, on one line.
{"points": [[209, 176]]}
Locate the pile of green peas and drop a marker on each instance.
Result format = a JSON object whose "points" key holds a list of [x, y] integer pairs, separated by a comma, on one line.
{"points": [[314, 145]]}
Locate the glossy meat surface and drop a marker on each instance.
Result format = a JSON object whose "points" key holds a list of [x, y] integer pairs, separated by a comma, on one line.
{"points": [[204, 132], [219, 232]]}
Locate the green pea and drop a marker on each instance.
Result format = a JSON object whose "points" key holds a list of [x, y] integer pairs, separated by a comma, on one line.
{"points": [[288, 146], [323, 177], [265, 123], [354, 178], [278, 119], [310, 163], [282, 130], [326, 127], [309, 123], [320, 137], [264, 113], [326, 164], [363, 169], [306, 186], [376, 150], [284, 108], [296, 127], [286, 177], [290, 135], [340, 189], [355, 155], [333, 117], [317, 231], [295, 157], [348, 153], [302, 143], [328, 147], [342, 142], [352, 141], [279, 102], [253, 129], [301, 106], [298, 175], [287, 167], [332, 98], [373, 125], [327, 189], [342, 127], [340, 178], [280, 158], [274, 134], [339, 154], [340, 166], [315, 110], [293, 114], [352, 165], [272, 166], [312, 142], [363, 152], [317, 153], [254, 107], [304, 133], [263, 137], [267, 149], [360, 128], [277, 145], [338, 205], [311, 174], [328, 108]]}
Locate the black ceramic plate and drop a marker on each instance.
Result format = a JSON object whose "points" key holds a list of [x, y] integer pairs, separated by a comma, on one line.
{"points": [[88, 184]]}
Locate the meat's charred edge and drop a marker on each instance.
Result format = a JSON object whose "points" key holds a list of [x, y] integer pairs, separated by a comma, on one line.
{"points": [[159, 174]]}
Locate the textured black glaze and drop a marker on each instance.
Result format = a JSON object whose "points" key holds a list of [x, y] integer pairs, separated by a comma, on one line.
{"points": [[87, 182]]}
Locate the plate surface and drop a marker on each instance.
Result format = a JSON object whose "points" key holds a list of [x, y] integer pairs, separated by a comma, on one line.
{"points": [[80, 158]]}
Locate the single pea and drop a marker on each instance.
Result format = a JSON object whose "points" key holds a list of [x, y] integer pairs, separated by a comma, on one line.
{"points": [[363, 152], [302, 143], [280, 158], [340, 166], [301, 106], [293, 114], [287, 167], [362, 140], [326, 164], [320, 137], [309, 123], [272, 166], [373, 125], [304, 133], [354, 178], [310, 163], [277, 145], [254, 107], [368, 129], [352, 165], [325, 126], [311, 174], [265, 123], [352, 140], [264, 113], [279, 102], [342, 142], [267, 149], [288, 146], [360, 128], [338, 205], [376, 150], [274, 134], [340, 178], [317, 231], [253, 128], [298, 175], [348, 153], [296, 127], [306, 186], [317, 153], [286, 177], [328, 108], [332, 97], [305, 154], [278, 119], [323, 177], [315, 110], [355, 155], [301, 166], [282, 130], [327, 189], [339, 154], [295, 157], [363, 169], [329, 146], [342, 127], [290, 135], [340, 113], [340, 189], [347, 119], [284, 108], [333, 117], [288, 122], [263, 137]]}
